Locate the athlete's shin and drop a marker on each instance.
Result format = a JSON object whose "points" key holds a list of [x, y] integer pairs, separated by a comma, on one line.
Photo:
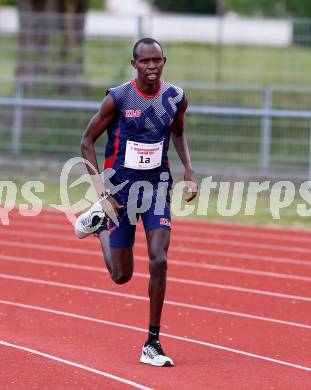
{"points": [[157, 286]]}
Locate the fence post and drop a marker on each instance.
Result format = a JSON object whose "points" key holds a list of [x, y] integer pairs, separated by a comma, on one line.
{"points": [[139, 28], [221, 6], [266, 130], [16, 144]]}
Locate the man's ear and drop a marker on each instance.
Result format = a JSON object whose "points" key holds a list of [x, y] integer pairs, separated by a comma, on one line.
{"points": [[133, 64], [164, 59]]}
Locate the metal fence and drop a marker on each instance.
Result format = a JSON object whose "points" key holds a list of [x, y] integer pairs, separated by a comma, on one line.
{"points": [[264, 140]]}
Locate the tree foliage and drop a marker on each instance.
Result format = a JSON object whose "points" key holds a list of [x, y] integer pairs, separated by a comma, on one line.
{"points": [[281, 8], [186, 6]]}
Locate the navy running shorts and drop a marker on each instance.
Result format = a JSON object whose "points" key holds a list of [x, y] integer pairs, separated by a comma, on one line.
{"points": [[156, 215]]}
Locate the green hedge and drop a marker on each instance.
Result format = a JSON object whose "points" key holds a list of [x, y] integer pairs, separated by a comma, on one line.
{"points": [[186, 6]]}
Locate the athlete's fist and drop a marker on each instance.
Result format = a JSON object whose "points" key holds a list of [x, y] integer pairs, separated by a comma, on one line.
{"points": [[110, 207], [192, 187]]}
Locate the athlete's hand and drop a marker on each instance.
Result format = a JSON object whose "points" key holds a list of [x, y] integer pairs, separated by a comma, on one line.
{"points": [[111, 207], [192, 187]]}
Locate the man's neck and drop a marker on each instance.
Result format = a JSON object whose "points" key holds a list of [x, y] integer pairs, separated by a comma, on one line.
{"points": [[148, 89]]}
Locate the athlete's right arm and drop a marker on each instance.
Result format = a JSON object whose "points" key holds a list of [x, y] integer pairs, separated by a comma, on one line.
{"points": [[96, 127]]}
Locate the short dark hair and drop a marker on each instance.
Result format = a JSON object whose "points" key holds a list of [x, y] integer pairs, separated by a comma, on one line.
{"points": [[146, 41]]}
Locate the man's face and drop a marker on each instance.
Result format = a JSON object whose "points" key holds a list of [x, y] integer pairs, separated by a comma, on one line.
{"points": [[149, 62]]}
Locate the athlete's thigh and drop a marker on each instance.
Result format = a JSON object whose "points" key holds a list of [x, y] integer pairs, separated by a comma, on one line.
{"points": [[122, 261], [158, 241], [121, 235], [158, 216], [121, 241]]}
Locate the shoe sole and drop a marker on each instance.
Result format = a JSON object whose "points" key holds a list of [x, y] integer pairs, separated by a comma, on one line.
{"points": [[146, 360]]}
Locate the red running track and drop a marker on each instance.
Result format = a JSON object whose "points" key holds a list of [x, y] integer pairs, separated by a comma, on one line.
{"points": [[237, 313]]}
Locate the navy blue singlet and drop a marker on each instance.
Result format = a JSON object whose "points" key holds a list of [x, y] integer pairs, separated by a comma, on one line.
{"points": [[140, 119]]}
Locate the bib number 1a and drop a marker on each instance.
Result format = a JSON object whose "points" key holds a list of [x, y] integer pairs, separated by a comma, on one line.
{"points": [[143, 156]]}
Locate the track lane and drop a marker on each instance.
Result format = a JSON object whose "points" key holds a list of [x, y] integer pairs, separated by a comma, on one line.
{"points": [[283, 309], [263, 263], [192, 235], [45, 370], [191, 225], [217, 325], [244, 281], [206, 308], [203, 247], [217, 328], [94, 337], [204, 244]]}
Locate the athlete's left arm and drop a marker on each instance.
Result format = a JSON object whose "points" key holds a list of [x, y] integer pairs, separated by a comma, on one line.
{"points": [[180, 142]]}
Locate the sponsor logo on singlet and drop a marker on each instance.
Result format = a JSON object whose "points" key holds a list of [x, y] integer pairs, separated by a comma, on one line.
{"points": [[132, 113]]}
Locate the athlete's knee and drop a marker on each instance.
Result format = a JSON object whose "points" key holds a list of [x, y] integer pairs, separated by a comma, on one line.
{"points": [[121, 278], [158, 263]]}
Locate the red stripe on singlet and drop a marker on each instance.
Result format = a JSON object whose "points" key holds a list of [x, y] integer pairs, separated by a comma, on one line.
{"points": [[109, 162]]}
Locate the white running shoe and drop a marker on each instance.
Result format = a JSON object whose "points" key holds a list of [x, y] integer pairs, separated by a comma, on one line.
{"points": [[153, 354], [89, 222]]}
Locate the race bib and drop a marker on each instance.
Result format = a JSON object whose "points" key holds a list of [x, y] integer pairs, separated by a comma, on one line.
{"points": [[143, 156]]}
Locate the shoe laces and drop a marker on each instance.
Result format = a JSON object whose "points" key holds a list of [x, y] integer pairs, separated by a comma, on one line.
{"points": [[154, 349], [92, 220]]}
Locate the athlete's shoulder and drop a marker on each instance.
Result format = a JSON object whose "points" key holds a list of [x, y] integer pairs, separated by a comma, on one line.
{"points": [[119, 89], [178, 89], [119, 92]]}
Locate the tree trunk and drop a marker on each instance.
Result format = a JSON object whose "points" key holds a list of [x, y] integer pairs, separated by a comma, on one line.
{"points": [[33, 38], [72, 44], [41, 21]]}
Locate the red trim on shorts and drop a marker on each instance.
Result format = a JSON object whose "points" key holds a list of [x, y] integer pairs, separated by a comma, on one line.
{"points": [[112, 229], [109, 162], [168, 165], [143, 94]]}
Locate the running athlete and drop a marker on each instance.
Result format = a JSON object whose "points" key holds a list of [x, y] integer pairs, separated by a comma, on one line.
{"points": [[140, 116]]}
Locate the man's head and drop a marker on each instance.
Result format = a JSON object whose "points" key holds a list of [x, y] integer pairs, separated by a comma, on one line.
{"points": [[148, 60]]}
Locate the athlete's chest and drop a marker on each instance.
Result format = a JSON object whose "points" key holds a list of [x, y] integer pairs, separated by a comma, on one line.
{"points": [[158, 113]]}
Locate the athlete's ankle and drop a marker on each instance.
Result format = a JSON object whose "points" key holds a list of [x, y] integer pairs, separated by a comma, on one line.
{"points": [[153, 333]]}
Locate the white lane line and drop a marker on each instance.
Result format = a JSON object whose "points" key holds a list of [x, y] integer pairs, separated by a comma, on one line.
{"points": [[267, 258], [186, 339], [195, 307], [281, 236], [146, 276], [221, 286], [222, 254], [242, 244], [78, 365], [224, 229], [205, 308], [143, 259], [99, 291], [225, 242], [238, 270], [192, 224], [235, 288]]}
